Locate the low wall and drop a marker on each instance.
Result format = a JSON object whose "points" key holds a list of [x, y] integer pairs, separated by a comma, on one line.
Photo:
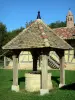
{"points": [[33, 82]]}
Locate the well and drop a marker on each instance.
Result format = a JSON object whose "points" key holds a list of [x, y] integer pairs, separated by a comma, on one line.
{"points": [[33, 82]]}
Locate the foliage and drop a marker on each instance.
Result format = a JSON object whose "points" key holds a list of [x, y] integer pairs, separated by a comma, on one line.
{"points": [[10, 35], [55, 94], [29, 23], [6, 36], [58, 24], [3, 32]]}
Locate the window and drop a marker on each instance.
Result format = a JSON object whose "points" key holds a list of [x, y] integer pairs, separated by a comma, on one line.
{"points": [[69, 55], [67, 52], [25, 56], [70, 19]]}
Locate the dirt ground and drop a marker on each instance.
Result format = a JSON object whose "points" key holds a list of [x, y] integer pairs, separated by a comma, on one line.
{"points": [[70, 67], [29, 66]]}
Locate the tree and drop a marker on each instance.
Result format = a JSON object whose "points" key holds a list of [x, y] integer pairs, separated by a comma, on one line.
{"points": [[5, 36], [28, 23], [57, 24], [14, 33], [11, 34], [3, 32]]}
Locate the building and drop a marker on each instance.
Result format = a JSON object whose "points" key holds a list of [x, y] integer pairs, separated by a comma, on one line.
{"points": [[68, 33]]}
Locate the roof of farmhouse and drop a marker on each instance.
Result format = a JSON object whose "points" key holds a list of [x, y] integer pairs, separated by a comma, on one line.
{"points": [[65, 32], [36, 36]]}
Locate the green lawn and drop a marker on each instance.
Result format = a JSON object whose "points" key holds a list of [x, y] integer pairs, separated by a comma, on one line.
{"points": [[67, 93]]}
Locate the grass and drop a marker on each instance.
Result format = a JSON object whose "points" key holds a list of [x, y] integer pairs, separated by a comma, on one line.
{"points": [[66, 93]]}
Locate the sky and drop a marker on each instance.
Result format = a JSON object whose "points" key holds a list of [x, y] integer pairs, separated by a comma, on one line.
{"points": [[15, 13]]}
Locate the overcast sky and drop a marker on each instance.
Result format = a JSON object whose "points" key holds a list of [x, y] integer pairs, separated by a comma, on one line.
{"points": [[15, 13]]}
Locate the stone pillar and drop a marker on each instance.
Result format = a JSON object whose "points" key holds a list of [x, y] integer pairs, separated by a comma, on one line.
{"points": [[62, 71], [44, 75], [5, 61], [15, 86]]}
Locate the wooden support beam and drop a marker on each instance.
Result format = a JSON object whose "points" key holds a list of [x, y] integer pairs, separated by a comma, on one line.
{"points": [[15, 71], [62, 71], [5, 61], [35, 58], [35, 62], [44, 75], [15, 86], [44, 71]]}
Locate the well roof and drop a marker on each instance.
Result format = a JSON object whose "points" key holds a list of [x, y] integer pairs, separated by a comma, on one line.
{"points": [[36, 36]]}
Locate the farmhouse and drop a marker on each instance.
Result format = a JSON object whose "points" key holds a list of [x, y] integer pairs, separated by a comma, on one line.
{"points": [[68, 34]]}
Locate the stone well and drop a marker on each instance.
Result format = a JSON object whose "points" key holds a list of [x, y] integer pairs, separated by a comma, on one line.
{"points": [[33, 82]]}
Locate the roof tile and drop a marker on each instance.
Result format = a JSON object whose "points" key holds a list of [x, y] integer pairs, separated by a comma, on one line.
{"points": [[33, 37]]}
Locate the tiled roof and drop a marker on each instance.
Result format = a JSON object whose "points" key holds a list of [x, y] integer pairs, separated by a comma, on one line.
{"points": [[37, 35], [71, 38], [64, 32]]}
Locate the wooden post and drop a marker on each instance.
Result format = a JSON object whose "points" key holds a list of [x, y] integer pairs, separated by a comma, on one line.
{"points": [[62, 71], [35, 58], [5, 61], [35, 62], [15, 86], [44, 75]]}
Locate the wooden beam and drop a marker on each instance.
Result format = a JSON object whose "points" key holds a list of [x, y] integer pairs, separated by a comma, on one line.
{"points": [[35, 55], [35, 62], [44, 75], [15, 71], [5, 61], [62, 71], [44, 71], [15, 86]]}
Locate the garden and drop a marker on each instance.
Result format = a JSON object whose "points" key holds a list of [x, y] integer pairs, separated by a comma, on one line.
{"points": [[65, 93]]}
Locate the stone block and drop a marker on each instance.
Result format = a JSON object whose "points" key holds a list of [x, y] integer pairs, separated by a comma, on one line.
{"points": [[33, 82], [44, 91], [15, 88]]}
